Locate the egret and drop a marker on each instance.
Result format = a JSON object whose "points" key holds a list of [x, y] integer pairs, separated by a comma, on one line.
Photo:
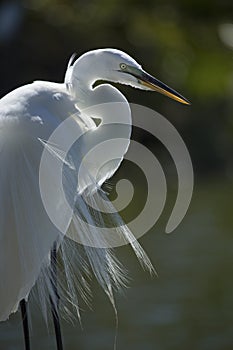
{"points": [[30, 242]]}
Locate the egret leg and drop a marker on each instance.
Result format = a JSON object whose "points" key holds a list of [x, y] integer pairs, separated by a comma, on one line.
{"points": [[55, 301], [24, 315]]}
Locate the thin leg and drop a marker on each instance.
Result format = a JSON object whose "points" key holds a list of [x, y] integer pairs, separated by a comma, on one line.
{"points": [[55, 301], [24, 315]]}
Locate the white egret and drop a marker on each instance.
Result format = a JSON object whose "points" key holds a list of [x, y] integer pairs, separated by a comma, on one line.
{"points": [[29, 240]]}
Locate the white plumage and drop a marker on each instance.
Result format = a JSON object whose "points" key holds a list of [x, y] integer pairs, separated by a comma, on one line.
{"points": [[29, 115]]}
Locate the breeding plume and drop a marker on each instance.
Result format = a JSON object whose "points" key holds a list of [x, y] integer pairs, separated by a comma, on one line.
{"points": [[36, 242]]}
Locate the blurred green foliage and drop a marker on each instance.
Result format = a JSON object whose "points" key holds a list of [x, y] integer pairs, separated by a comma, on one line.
{"points": [[184, 43]]}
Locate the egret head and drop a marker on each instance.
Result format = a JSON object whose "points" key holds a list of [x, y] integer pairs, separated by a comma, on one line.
{"points": [[117, 66]]}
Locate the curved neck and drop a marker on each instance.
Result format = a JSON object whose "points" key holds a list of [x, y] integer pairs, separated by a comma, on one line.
{"points": [[82, 91], [83, 74], [108, 103]]}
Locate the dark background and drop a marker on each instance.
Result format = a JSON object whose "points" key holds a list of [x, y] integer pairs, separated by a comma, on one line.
{"points": [[189, 46]]}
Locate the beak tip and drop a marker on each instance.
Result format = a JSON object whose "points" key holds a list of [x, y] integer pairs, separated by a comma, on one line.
{"points": [[186, 102], [156, 85]]}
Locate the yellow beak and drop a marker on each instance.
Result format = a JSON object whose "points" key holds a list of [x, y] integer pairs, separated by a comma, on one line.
{"points": [[156, 85]]}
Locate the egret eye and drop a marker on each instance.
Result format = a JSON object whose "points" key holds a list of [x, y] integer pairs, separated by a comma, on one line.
{"points": [[123, 66]]}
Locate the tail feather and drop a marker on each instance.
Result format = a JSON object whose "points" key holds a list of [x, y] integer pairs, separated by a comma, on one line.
{"points": [[100, 257], [85, 252]]}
